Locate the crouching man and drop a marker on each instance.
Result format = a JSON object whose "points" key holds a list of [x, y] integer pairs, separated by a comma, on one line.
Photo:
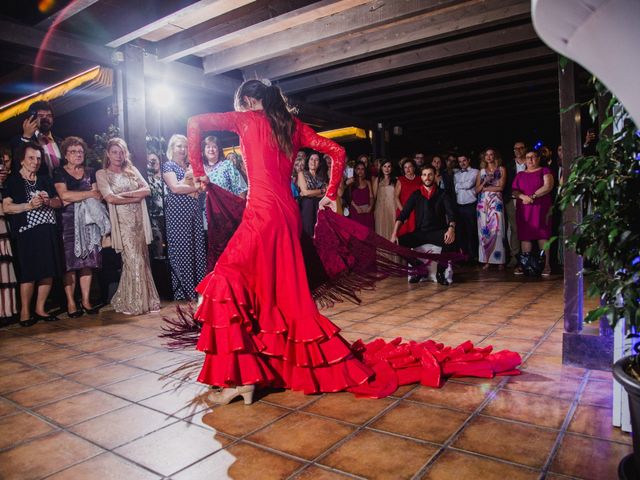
{"points": [[435, 220]]}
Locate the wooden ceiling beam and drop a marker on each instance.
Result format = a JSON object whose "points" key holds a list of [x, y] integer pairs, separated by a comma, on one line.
{"points": [[57, 42], [467, 81], [458, 18], [459, 96], [158, 14], [402, 79], [252, 22], [477, 112], [439, 52], [366, 16]]}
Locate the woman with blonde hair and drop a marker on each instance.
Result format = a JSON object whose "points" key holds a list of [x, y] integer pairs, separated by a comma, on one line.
{"points": [[489, 186], [186, 239], [125, 190]]}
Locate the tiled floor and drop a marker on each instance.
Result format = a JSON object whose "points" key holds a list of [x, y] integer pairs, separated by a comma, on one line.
{"points": [[85, 398]]}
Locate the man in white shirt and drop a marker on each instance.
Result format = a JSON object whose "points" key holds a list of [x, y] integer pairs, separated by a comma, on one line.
{"points": [[464, 181]]}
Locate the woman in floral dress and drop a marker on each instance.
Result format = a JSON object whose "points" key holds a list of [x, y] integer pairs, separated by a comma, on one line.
{"points": [[489, 187]]}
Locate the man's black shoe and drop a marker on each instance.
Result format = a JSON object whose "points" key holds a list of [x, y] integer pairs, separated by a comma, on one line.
{"points": [[441, 279], [414, 278]]}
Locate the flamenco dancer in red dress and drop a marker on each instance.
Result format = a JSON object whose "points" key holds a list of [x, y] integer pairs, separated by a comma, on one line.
{"points": [[260, 326]]}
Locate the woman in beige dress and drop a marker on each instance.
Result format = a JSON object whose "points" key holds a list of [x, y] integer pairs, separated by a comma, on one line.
{"points": [[385, 204], [125, 190]]}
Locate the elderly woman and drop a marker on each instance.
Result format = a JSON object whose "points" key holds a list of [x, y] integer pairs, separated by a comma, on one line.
{"points": [[183, 215], [29, 200], [125, 191], [489, 185], [532, 190], [220, 171], [75, 183], [313, 186]]}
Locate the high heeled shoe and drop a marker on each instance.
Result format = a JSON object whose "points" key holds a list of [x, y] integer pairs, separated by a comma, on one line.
{"points": [[223, 396]]}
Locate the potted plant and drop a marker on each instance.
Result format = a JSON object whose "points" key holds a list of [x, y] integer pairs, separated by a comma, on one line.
{"points": [[608, 182]]}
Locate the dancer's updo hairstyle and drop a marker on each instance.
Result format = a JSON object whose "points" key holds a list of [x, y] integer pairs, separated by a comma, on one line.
{"points": [[275, 107]]}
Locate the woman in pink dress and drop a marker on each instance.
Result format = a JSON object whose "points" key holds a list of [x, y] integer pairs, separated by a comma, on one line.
{"points": [[532, 191], [361, 208]]}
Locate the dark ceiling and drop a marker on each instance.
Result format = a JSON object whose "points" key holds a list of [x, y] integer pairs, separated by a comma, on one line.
{"points": [[439, 69]]}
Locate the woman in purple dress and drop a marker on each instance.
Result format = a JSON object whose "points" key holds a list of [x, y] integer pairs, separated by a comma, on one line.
{"points": [[74, 183], [361, 207], [532, 191]]}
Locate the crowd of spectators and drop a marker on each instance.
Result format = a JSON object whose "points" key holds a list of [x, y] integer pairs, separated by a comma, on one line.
{"points": [[69, 222]]}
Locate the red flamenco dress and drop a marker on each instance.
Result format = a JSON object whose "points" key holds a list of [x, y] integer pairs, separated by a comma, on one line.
{"points": [[258, 321]]}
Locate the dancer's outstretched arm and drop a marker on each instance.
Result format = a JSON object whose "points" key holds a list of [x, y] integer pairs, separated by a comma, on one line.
{"points": [[229, 121]]}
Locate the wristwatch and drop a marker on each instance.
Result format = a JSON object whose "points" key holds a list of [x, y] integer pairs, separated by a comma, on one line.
{"points": [[534, 196], [452, 225]]}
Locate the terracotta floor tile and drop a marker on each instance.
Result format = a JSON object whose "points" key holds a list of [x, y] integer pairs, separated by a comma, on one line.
{"points": [[490, 319], [316, 473], [550, 348], [411, 333], [225, 418], [128, 352], [20, 427], [121, 426], [596, 422], [431, 323], [135, 334], [51, 354], [543, 384], [476, 328], [523, 444], [453, 395], [139, 387], [395, 319], [100, 344], [404, 389], [551, 364], [368, 328], [21, 346], [601, 462], [106, 466], [241, 461], [423, 422], [600, 375], [81, 407], [10, 367], [75, 364], [105, 374], [597, 393], [376, 307], [346, 407], [519, 345], [47, 392], [354, 316], [71, 337], [45, 456], [173, 456], [517, 331], [376, 455], [25, 378], [304, 436], [533, 409], [454, 339], [182, 402], [6, 408], [287, 398], [458, 466], [157, 361]]}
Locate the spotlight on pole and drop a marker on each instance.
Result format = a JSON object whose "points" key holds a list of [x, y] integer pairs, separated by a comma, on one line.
{"points": [[162, 96]]}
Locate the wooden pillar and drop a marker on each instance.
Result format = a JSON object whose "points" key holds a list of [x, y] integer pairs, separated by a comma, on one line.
{"points": [[134, 109], [571, 147]]}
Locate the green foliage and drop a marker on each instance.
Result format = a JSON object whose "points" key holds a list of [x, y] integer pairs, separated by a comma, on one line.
{"points": [[96, 152], [608, 184]]}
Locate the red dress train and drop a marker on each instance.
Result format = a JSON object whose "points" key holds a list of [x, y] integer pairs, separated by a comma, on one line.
{"points": [[260, 323]]}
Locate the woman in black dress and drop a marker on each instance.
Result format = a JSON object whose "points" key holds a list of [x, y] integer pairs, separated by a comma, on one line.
{"points": [[313, 186], [29, 202]]}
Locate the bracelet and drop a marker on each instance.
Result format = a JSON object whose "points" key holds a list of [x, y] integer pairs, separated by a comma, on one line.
{"points": [[534, 196]]}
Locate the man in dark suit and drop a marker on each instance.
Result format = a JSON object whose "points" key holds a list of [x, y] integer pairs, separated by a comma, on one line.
{"points": [[435, 218], [37, 128]]}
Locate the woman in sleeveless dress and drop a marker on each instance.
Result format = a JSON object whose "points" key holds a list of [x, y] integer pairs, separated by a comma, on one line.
{"points": [[405, 186], [383, 191], [312, 188], [361, 206], [490, 208], [125, 191]]}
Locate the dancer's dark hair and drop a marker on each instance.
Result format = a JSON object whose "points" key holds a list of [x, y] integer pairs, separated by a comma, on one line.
{"points": [[275, 107]]}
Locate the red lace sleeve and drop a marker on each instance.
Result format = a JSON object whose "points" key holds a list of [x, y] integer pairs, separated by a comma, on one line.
{"points": [[206, 122], [311, 139]]}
